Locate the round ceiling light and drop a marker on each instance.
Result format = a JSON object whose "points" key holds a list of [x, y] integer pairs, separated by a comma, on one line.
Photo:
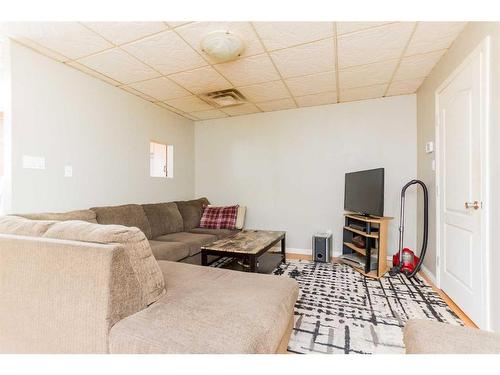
{"points": [[222, 45]]}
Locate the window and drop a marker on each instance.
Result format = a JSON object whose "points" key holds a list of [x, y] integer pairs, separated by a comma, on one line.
{"points": [[161, 162]]}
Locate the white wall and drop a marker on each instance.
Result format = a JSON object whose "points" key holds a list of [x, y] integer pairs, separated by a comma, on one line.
{"points": [[467, 41], [101, 131], [288, 167]]}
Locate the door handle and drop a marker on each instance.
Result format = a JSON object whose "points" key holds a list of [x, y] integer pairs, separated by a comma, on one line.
{"points": [[475, 205]]}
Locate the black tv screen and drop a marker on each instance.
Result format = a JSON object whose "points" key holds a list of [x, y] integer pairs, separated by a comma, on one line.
{"points": [[364, 192]]}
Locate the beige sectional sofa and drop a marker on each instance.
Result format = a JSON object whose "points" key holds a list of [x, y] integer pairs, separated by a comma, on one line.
{"points": [[171, 227], [78, 286]]}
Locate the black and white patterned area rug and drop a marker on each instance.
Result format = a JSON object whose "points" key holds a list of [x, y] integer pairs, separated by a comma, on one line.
{"points": [[341, 311]]}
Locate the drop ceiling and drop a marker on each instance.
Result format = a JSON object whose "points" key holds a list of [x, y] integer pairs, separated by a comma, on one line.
{"points": [[284, 65]]}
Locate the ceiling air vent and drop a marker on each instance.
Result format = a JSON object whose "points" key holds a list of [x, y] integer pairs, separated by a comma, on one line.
{"points": [[225, 98]]}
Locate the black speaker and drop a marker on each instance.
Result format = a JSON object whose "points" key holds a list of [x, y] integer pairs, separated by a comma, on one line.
{"points": [[322, 245]]}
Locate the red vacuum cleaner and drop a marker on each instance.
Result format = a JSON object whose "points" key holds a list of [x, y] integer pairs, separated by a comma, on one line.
{"points": [[405, 261]]}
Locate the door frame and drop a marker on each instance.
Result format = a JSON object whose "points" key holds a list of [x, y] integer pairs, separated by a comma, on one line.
{"points": [[483, 50]]}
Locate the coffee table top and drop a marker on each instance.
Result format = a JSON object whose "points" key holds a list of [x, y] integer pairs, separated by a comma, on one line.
{"points": [[246, 242]]}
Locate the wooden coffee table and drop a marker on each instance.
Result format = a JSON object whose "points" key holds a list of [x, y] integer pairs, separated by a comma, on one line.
{"points": [[247, 245]]}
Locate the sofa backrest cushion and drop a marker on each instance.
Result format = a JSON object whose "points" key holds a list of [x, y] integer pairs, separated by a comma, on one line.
{"points": [[129, 215], [24, 227], [164, 218], [84, 215], [191, 212], [60, 296], [136, 246]]}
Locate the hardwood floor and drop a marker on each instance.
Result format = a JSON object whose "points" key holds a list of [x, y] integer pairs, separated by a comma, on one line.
{"points": [[449, 302]]}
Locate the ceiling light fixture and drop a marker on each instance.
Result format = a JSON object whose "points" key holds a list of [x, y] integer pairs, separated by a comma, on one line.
{"points": [[222, 45]]}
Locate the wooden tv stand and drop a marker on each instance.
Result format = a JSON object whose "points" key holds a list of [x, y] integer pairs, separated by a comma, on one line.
{"points": [[374, 230]]}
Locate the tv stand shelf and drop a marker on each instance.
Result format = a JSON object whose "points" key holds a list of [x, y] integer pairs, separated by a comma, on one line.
{"points": [[375, 235], [362, 233]]}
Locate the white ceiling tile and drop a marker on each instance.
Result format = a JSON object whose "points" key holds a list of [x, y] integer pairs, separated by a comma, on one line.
{"points": [[362, 93], [372, 45], [177, 23], [277, 35], [92, 72], [433, 36], [208, 115], [120, 66], [305, 59], [171, 109], [312, 84], [367, 75], [350, 27], [201, 80], [194, 33], [409, 86], [189, 104], [161, 89], [265, 91], [417, 66], [70, 39], [254, 69], [40, 49], [166, 52], [277, 105], [138, 93], [243, 109], [317, 99], [124, 32]]}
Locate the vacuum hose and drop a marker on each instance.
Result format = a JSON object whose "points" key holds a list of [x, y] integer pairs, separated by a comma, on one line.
{"points": [[426, 226], [395, 270]]}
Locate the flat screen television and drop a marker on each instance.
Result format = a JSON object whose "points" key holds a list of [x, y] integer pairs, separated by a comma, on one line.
{"points": [[364, 192]]}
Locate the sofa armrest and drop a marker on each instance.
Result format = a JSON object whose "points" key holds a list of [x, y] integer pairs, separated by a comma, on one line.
{"points": [[59, 296], [429, 337]]}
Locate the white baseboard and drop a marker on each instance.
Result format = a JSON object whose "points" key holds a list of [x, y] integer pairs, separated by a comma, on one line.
{"points": [[292, 250], [429, 275]]}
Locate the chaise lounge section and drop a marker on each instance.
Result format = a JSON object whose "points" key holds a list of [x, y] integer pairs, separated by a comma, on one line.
{"points": [[80, 287]]}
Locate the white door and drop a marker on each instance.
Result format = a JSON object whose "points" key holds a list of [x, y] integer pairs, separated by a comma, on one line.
{"points": [[462, 110]]}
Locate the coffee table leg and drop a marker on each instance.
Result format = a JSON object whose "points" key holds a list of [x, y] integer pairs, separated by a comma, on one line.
{"points": [[253, 263], [283, 247], [204, 260]]}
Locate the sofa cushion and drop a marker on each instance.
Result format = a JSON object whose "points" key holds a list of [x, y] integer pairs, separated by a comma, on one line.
{"points": [[191, 212], [130, 215], [172, 251], [133, 240], [24, 227], [60, 296], [220, 233], [194, 241], [240, 216], [164, 218], [240, 219], [84, 215], [210, 310], [429, 337], [219, 217]]}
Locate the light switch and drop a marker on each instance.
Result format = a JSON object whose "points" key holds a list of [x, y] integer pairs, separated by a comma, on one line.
{"points": [[33, 162], [429, 147], [68, 171], [433, 165]]}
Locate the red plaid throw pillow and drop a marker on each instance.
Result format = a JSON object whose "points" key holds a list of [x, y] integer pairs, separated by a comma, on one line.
{"points": [[219, 217]]}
